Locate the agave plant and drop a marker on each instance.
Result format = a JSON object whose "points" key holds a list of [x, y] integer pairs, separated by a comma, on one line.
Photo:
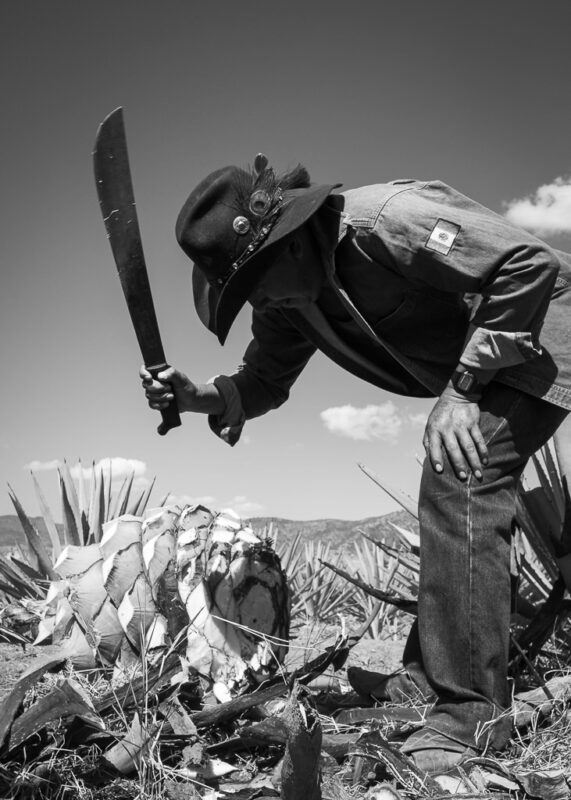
{"points": [[129, 583]]}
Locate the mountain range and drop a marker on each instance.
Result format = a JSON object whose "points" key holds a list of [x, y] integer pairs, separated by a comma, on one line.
{"points": [[336, 532]]}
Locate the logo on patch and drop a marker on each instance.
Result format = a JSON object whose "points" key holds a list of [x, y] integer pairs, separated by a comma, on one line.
{"points": [[443, 237]]}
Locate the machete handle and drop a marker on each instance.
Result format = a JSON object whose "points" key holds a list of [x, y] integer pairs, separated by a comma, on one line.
{"points": [[170, 415]]}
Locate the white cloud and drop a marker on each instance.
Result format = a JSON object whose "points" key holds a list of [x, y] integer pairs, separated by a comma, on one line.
{"points": [[418, 420], [243, 507], [372, 422], [42, 466], [186, 500], [546, 211], [118, 466]]}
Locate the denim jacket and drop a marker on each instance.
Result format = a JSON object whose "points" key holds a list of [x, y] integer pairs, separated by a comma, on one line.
{"points": [[419, 278]]}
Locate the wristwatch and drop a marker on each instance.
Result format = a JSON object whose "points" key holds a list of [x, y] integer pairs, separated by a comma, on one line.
{"points": [[465, 382]]}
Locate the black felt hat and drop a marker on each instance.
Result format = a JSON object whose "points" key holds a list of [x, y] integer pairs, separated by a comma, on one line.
{"points": [[232, 226]]}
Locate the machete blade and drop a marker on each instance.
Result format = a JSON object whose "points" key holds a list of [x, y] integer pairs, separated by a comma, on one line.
{"points": [[117, 202]]}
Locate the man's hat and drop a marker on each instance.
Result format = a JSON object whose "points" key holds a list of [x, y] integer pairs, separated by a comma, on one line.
{"points": [[232, 226]]}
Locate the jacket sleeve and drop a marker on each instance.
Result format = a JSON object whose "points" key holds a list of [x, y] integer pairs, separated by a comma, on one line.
{"points": [[436, 237], [273, 360]]}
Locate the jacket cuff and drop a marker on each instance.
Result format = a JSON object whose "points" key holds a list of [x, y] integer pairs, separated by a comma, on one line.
{"points": [[494, 350], [228, 425]]}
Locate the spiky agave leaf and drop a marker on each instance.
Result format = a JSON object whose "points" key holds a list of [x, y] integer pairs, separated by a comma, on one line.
{"points": [[48, 518], [402, 498], [96, 514], [18, 584], [33, 537]]}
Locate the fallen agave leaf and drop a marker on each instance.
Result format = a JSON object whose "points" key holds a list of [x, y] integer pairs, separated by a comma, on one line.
{"points": [[177, 716], [66, 700], [384, 791], [488, 779], [545, 784], [537, 701], [10, 705], [126, 755], [453, 784]]}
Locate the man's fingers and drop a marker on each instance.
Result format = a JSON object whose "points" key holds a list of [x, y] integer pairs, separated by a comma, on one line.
{"points": [[433, 445], [455, 455], [480, 443], [470, 451]]}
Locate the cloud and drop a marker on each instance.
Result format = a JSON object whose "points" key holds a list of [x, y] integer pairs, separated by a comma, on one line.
{"points": [[243, 507], [118, 467], [546, 211], [41, 466], [372, 422], [186, 500]]}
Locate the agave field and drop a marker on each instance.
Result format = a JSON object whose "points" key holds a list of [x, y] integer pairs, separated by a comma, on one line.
{"points": [[187, 655]]}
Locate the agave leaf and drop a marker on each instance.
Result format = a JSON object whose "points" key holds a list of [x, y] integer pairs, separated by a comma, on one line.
{"points": [[33, 537], [137, 611], [143, 503], [8, 636], [10, 704], [63, 701], [48, 519], [19, 579], [164, 500], [114, 509], [543, 515], [92, 485], [32, 574], [405, 604], [542, 548], [83, 509], [403, 499], [139, 509], [106, 632], [548, 489], [97, 507], [107, 514], [126, 755], [76, 559], [555, 475], [70, 529], [80, 487], [409, 538], [71, 497], [123, 505], [134, 503]]}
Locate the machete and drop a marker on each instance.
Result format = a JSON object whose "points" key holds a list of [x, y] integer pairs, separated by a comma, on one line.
{"points": [[117, 202]]}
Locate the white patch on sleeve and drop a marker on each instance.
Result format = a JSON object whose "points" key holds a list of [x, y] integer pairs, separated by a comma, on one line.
{"points": [[443, 237]]}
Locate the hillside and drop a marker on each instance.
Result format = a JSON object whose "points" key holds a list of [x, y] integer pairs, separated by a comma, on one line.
{"points": [[12, 536], [337, 532]]}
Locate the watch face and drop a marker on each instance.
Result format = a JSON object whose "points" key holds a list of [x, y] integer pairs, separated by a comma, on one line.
{"points": [[465, 381]]}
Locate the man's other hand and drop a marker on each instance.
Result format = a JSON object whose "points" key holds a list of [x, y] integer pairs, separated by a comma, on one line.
{"points": [[453, 428]]}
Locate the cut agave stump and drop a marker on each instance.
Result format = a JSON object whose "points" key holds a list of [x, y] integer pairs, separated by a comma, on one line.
{"points": [[174, 573]]}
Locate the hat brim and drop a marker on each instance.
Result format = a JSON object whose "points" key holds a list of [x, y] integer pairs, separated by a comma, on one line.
{"points": [[218, 308]]}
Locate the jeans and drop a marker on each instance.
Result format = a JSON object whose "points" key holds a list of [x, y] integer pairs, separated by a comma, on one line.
{"points": [[461, 643]]}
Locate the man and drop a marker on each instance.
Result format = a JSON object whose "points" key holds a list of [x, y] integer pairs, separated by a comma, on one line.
{"points": [[420, 291]]}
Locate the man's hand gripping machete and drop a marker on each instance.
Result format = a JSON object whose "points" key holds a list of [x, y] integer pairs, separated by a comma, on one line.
{"points": [[117, 201]]}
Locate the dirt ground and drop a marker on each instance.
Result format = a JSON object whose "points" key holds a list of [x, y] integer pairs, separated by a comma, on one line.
{"points": [[374, 654], [14, 660]]}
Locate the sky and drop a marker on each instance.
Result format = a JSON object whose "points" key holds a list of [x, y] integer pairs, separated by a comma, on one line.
{"points": [[474, 94]]}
